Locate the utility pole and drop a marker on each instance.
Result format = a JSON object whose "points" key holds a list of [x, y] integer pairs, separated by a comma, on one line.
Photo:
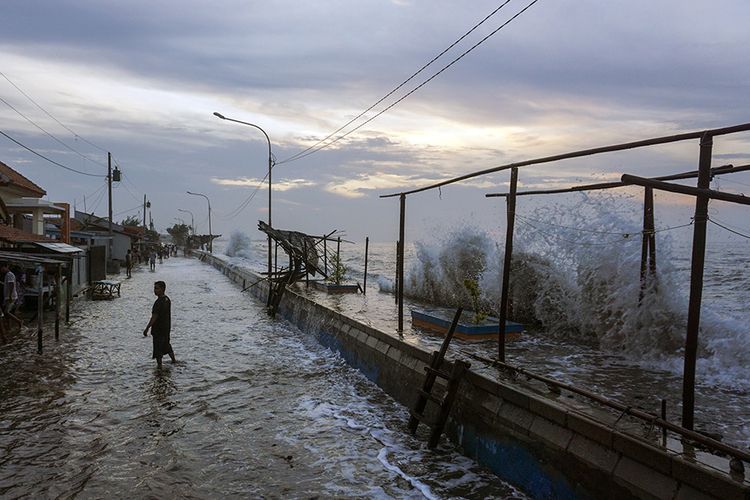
{"points": [[109, 187]]}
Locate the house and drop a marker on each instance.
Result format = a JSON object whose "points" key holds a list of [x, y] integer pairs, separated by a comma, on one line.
{"points": [[123, 239]]}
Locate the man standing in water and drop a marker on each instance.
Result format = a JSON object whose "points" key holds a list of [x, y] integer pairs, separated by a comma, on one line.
{"points": [[160, 324]]}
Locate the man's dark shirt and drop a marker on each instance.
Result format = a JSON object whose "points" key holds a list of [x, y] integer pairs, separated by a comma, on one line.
{"points": [[163, 310]]}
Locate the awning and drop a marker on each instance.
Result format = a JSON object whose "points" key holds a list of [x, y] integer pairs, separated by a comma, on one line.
{"points": [[56, 247]]}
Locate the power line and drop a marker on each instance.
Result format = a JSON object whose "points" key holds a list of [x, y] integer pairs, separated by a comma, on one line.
{"points": [[728, 229], [237, 211], [454, 61], [295, 156], [49, 160], [49, 134], [50, 115]]}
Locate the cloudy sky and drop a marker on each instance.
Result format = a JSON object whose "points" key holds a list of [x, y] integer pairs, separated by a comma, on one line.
{"points": [[142, 78]]}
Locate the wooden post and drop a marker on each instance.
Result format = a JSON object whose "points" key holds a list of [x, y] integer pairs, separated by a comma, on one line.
{"points": [[39, 308], [307, 271], [511, 216], [338, 260], [696, 282], [325, 255], [58, 296], [276, 258], [648, 254], [400, 273], [367, 248], [69, 293], [395, 283]]}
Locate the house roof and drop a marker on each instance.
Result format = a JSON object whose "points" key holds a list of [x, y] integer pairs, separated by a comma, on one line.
{"points": [[13, 235], [94, 222], [10, 177]]}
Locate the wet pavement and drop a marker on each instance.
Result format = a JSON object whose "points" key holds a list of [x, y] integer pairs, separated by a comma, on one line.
{"points": [[254, 408]]}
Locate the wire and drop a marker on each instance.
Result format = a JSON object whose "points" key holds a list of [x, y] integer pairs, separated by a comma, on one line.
{"points": [[619, 233], [728, 229], [295, 156], [234, 213], [128, 210], [51, 161], [624, 238], [315, 150], [50, 115], [49, 134]]}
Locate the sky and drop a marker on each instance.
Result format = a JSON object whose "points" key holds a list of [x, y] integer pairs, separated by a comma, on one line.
{"points": [[142, 79]]}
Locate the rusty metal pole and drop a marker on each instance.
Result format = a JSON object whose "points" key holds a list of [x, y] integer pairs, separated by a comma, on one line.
{"points": [[400, 273], [511, 219], [696, 282], [367, 248]]}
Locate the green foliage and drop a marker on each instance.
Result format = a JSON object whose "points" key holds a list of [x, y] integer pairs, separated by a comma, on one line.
{"points": [[131, 220], [179, 233], [472, 287], [338, 270]]}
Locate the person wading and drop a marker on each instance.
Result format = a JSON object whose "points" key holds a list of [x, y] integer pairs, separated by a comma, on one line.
{"points": [[160, 324]]}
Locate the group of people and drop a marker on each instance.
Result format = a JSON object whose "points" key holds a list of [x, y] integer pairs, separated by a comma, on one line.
{"points": [[160, 252], [13, 297]]}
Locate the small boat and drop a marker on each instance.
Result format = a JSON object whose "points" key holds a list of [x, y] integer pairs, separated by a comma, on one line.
{"points": [[439, 320]]}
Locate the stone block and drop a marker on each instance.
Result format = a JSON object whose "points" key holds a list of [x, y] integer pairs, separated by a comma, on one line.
{"points": [[492, 404], [395, 354], [708, 481], [372, 341], [644, 481], [550, 433], [548, 409], [513, 395], [515, 418], [593, 453], [643, 452], [591, 429], [687, 492]]}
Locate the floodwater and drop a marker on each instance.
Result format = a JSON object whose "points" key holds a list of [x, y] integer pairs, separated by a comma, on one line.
{"points": [[254, 408]]}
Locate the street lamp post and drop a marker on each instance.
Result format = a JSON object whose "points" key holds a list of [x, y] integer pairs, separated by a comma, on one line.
{"points": [[270, 166], [210, 234], [192, 218]]}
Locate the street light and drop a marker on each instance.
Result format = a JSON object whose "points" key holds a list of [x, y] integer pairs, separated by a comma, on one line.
{"points": [[210, 234], [270, 165], [192, 219]]}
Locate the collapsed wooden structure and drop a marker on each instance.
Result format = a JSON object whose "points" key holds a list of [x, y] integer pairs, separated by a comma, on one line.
{"points": [[304, 261]]}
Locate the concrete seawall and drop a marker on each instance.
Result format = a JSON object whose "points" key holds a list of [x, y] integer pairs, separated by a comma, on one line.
{"points": [[548, 449]]}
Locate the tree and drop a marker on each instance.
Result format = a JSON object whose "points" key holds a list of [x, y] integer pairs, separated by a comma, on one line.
{"points": [[179, 233], [131, 220]]}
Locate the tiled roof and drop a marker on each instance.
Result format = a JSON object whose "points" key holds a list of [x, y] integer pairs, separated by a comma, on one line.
{"points": [[13, 235], [9, 176]]}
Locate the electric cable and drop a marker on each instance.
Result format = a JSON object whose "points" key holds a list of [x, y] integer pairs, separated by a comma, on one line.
{"points": [[50, 115], [49, 134], [728, 229], [400, 85], [49, 160], [454, 61]]}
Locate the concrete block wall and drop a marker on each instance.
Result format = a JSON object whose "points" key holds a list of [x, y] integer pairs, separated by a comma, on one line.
{"points": [[546, 448]]}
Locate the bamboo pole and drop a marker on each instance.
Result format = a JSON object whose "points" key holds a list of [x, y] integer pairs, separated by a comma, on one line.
{"points": [[39, 308], [58, 296], [511, 218]]}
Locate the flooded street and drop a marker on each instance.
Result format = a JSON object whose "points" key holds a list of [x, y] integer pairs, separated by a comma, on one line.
{"points": [[253, 408]]}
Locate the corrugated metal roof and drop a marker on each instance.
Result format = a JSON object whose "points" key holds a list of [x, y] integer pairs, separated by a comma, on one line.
{"points": [[58, 247]]}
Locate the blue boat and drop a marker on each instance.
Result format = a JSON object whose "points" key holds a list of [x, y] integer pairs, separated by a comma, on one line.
{"points": [[439, 320]]}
